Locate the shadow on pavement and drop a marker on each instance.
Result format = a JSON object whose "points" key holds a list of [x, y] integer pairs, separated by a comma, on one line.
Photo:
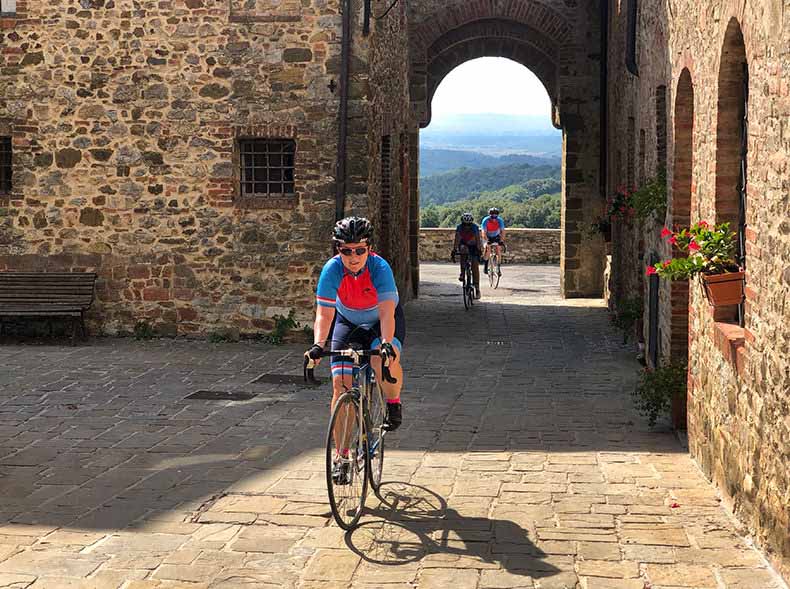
{"points": [[105, 439], [413, 523]]}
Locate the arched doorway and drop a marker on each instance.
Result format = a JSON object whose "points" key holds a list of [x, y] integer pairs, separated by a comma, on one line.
{"points": [[731, 146], [553, 42], [680, 216]]}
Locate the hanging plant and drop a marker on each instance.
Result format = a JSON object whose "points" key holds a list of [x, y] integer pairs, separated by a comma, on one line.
{"points": [[620, 205], [651, 198], [710, 255]]}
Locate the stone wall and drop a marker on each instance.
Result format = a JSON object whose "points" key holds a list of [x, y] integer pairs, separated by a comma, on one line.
{"points": [[126, 126], [739, 377], [524, 246]]}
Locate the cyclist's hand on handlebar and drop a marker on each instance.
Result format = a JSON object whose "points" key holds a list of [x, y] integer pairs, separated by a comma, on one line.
{"points": [[314, 354], [388, 353]]}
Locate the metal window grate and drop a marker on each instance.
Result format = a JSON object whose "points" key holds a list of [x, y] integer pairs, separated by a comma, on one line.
{"points": [[7, 6], [5, 165], [267, 166]]}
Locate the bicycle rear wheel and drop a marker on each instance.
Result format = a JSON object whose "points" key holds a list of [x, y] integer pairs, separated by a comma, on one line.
{"points": [[377, 410], [346, 461]]}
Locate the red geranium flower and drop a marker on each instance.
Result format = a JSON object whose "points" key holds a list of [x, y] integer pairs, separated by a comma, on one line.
{"points": [[665, 232], [693, 246], [666, 263], [650, 271], [673, 240], [703, 224]]}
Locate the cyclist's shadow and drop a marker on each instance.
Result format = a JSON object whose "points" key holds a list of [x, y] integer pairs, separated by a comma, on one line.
{"points": [[413, 523]]}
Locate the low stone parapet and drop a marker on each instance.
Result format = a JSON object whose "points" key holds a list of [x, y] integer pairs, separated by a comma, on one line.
{"points": [[524, 246]]}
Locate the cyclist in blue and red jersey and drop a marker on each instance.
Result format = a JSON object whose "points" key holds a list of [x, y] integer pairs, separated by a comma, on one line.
{"points": [[357, 303], [467, 243], [493, 228]]}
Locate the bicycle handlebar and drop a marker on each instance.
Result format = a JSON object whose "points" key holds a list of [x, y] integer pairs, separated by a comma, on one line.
{"points": [[309, 363]]}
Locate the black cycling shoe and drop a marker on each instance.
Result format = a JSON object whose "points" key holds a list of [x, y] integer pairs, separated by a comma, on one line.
{"points": [[394, 417], [341, 472], [461, 277]]}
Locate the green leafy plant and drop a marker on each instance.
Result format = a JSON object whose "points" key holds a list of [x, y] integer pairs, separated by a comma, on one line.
{"points": [[143, 331], [626, 314], [619, 206], [656, 387], [600, 226], [217, 337], [282, 325], [651, 198], [710, 250]]}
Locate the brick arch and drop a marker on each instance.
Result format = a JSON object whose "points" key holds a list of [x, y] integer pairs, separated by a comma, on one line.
{"points": [[539, 17], [493, 39], [684, 147], [680, 208], [728, 124]]}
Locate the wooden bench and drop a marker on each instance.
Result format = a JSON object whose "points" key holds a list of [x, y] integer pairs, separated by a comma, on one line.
{"points": [[44, 295]]}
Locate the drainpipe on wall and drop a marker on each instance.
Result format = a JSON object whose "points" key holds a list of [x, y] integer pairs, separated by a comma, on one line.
{"points": [[604, 163], [345, 60]]}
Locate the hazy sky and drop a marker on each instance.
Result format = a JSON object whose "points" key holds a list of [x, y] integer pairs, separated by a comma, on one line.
{"points": [[491, 85]]}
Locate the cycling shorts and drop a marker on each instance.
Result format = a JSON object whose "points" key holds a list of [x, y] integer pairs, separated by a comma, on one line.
{"points": [[472, 250], [494, 239], [345, 334]]}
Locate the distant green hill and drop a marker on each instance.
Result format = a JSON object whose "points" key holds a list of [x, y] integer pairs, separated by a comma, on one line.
{"points": [[523, 181], [539, 212], [439, 161]]}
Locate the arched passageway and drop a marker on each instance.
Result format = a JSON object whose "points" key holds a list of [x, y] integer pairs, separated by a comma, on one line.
{"points": [[554, 42]]}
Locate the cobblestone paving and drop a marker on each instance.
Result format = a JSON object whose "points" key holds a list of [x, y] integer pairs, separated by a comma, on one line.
{"points": [[520, 464]]}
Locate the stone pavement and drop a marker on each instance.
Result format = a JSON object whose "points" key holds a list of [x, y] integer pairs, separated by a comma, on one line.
{"points": [[521, 464]]}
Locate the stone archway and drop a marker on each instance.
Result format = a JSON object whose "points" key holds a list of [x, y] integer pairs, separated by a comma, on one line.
{"points": [[559, 42]]}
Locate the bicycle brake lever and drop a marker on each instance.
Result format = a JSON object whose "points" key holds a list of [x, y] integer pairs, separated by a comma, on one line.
{"points": [[309, 371], [385, 372]]}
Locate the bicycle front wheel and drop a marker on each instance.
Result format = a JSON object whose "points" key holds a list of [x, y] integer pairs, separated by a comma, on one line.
{"points": [[346, 461], [495, 272], [491, 274], [377, 410]]}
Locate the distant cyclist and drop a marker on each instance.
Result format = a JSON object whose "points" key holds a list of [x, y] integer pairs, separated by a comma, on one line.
{"points": [[357, 303], [467, 234], [493, 235]]}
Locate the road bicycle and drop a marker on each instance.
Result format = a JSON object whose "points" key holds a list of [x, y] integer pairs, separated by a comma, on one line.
{"points": [[494, 264], [468, 282], [355, 437]]}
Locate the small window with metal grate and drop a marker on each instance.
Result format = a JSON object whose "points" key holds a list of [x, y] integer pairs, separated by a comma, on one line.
{"points": [[7, 7], [5, 165], [267, 166]]}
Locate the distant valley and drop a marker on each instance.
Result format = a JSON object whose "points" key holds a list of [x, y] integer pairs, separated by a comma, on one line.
{"points": [[473, 162]]}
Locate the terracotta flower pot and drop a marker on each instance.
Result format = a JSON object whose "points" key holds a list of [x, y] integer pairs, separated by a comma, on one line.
{"points": [[724, 289]]}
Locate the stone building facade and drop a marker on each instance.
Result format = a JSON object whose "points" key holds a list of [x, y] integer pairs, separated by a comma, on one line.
{"points": [[187, 151], [697, 69]]}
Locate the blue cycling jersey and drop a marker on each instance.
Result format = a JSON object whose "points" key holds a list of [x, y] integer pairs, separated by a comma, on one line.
{"points": [[357, 296], [493, 226]]}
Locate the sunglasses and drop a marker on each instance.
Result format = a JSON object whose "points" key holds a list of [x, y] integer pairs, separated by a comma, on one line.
{"points": [[347, 251]]}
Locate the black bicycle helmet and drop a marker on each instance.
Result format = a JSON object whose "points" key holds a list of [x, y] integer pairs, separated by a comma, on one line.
{"points": [[493, 211], [353, 230], [467, 218]]}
